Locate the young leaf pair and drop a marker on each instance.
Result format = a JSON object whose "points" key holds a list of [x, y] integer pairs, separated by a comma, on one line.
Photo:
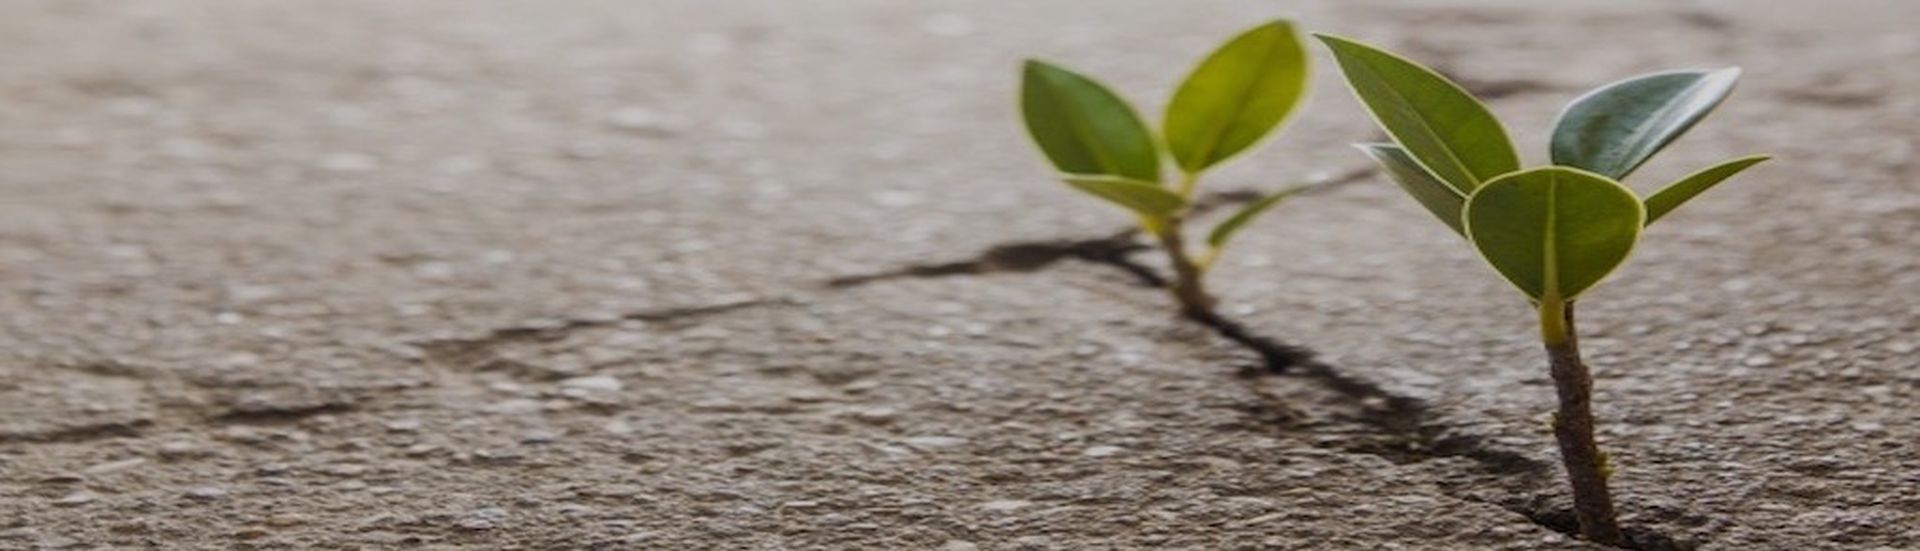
{"points": [[1553, 232], [1453, 156], [1235, 97]]}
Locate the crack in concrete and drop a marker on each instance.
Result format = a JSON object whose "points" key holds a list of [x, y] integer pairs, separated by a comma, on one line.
{"points": [[1406, 422], [1639, 538], [1115, 249], [477, 350], [1024, 257], [79, 433], [281, 414]]}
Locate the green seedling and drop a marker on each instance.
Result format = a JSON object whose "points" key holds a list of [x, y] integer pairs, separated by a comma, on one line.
{"points": [[1553, 232], [1236, 96]]}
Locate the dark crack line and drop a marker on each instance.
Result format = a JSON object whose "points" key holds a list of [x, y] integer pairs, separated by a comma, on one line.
{"points": [[1406, 421], [281, 414], [468, 350], [1115, 249], [80, 433], [1023, 257]]}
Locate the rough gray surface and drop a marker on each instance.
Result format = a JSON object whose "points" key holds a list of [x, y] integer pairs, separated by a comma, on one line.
{"points": [[496, 274]]}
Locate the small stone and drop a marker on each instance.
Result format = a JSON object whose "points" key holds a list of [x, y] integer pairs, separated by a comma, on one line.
{"points": [[935, 442], [959, 545], [403, 425], [875, 416], [288, 519], [178, 449], [115, 466], [539, 437], [206, 493], [1005, 505], [75, 499], [483, 519], [1103, 451], [806, 396], [595, 383]]}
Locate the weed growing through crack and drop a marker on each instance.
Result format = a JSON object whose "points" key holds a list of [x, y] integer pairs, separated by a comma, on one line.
{"points": [[1236, 96], [1555, 231]]}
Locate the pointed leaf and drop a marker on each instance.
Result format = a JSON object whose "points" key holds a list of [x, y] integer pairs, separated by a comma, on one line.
{"points": [[1145, 198], [1676, 194], [1440, 199], [1453, 135], [1237, 95], [1554, 232], [1083, 127], [1615, 128], [1225, 230]]}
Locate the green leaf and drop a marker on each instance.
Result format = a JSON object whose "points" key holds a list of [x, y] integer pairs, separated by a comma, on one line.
{"points": [[1678, 193], [1145, 198], [1083, 127], [1225, 230], [1435, 120], [1615, 128], [1554, 232], [1440, 199], [1236, 96]]}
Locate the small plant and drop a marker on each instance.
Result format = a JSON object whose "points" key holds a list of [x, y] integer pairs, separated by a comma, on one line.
{"points": [[1236, 96], [1555, 231]]}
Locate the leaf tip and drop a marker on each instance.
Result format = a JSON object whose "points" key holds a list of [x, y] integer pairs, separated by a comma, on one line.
{"points": [[1277, 23], [1333, 40], [1034, 66]]}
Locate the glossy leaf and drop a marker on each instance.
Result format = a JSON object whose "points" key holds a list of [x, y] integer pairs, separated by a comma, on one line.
{"points": [[1440, 199], [1083, 127], [1677, 193], [1144, 198], [1225, 230], [1615, 128], [1236, 96], [1554, 232], [1436, 121]]}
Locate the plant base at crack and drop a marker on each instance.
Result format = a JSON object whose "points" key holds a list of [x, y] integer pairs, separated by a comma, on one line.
{"points": [[1586, 465]]}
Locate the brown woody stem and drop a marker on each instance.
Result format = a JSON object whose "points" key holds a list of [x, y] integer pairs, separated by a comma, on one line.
{"points": [[1573, 426]]}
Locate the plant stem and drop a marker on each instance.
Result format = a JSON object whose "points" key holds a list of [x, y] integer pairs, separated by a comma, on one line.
{"points": [[1573, 426], [1187, 288], [1188, 183]]}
